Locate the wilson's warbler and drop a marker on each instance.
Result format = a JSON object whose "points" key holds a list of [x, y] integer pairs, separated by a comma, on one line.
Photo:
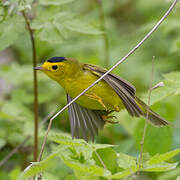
{"points": [[91, 110]]}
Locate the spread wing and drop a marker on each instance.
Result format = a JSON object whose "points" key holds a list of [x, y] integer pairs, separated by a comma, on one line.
{"points": [[84, 122], [124, 89]]}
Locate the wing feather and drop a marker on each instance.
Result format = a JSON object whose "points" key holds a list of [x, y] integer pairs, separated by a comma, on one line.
{"points": [[84, 122], [124, 89]]}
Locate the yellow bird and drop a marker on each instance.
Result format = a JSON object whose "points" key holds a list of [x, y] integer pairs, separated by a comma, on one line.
{"points": [[91, 110]]}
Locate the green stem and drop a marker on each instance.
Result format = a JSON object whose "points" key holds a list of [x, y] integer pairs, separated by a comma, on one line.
{"points": [[31, 33], [145, 126]]}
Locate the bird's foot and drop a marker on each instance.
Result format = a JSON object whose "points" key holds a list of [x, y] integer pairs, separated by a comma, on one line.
{"points": [[106, 119]]}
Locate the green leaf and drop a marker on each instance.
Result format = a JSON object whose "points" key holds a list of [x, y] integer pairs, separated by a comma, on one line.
{"points": [[55, 2], [125, 161], [86, 168], [170, 174], [67, 21], [70, 177], [57, 28], [108, 157], [89, 178], [122, 174], [50, 34], [161, 138], [84, 176], [10, 30], [82, 27], [173, 76], [49, 176], [102, 146], [37, 167], [158, 158], [178, 178], [163, 166], [66, 139], [171, 88]]}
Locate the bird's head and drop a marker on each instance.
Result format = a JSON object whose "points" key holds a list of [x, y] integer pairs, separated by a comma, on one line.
{"points": [[60, 67]]}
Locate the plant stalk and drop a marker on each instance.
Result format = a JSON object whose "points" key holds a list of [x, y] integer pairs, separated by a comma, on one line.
{"points": [[35, 84]]}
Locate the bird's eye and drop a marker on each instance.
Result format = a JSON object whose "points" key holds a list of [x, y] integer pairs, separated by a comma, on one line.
{"points": [[54, 67]]}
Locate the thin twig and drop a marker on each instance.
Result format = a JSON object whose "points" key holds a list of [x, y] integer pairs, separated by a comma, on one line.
{"points": [[147, 115], [105, 36], [102, 162], [31, 33], [119, 62]]}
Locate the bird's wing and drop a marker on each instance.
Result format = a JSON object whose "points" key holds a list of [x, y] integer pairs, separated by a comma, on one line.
{"points": [[84, 122], [99, 71], [124, 89]]}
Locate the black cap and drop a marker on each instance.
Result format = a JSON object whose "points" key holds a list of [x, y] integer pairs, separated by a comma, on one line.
{"points": [[56, 59]]}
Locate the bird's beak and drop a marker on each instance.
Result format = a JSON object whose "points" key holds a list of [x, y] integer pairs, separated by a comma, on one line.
{"points": [[38, 68]]}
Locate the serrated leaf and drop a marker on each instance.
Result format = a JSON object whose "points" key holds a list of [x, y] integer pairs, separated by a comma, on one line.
{"points": [[57, 28], [163, 157], [161, 167], [55, 2], [66, 139], [87, 168], [125, 161]]}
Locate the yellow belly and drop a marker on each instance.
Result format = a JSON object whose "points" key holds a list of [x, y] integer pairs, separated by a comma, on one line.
{"points": [[100, 91]]}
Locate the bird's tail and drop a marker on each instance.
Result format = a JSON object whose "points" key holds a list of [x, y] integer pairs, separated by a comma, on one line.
{"points": [[150, 115]]}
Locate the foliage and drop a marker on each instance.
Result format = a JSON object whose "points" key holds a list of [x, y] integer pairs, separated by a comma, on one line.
{"points": [[83, 159], [72, 29]]}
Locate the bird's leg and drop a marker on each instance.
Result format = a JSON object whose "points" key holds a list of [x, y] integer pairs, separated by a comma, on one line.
{"points": [[105, 117], [97, 98]]}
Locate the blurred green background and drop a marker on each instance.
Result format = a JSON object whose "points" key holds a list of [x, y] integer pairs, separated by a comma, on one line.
{"points": [[74, 30]]}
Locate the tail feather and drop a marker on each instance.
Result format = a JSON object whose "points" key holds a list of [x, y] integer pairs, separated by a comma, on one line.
{"points": [[151, 116]]}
